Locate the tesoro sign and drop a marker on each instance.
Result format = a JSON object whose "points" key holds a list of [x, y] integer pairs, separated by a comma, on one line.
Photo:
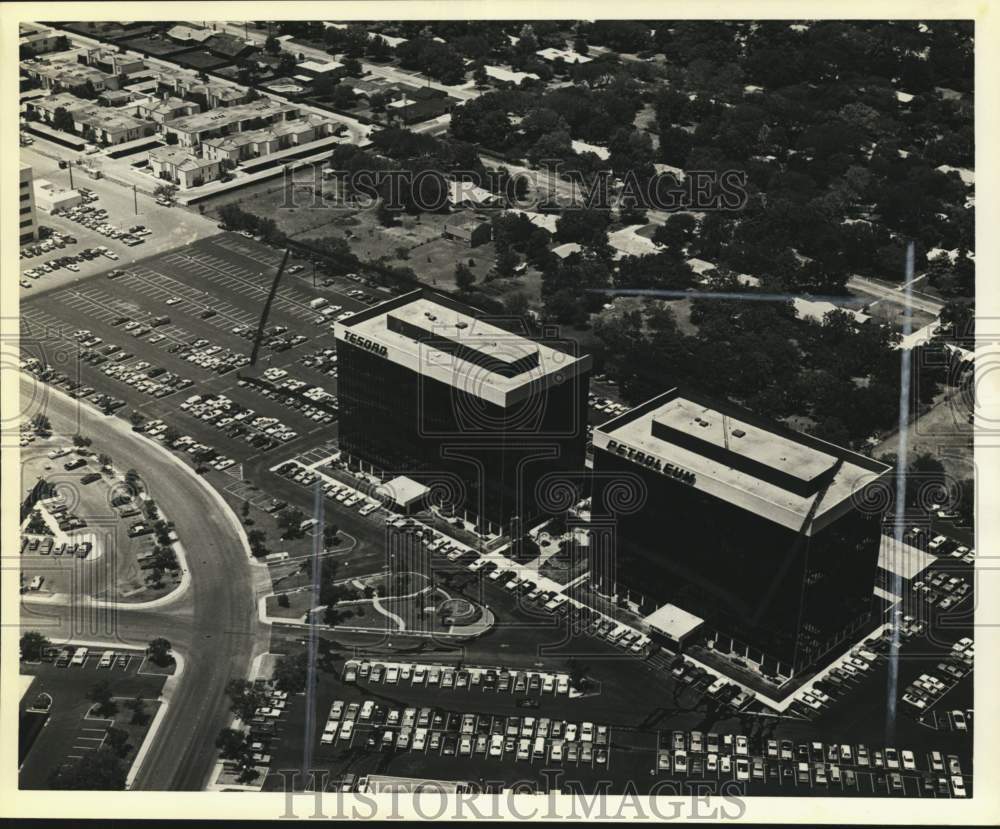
{"points": [[368, 345]]}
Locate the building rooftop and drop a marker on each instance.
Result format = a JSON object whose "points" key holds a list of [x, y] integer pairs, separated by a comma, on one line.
{"points": [[790, 478], [320, 66], [901, 559], [403, 491], [216, 118], [445, 340], [673, 621]]}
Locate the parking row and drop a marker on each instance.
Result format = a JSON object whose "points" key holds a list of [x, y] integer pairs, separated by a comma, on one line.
{"points": [[432, 730], [446, 677]]}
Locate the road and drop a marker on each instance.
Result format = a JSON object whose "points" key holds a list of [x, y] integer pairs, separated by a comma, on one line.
{"points": [[214, 624], [922, 302]]}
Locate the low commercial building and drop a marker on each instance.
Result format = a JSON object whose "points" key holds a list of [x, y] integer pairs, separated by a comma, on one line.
{"points": [[673, 627], [181, 167], [27, 219], [49, 196], [771, 536], [429, 388]]}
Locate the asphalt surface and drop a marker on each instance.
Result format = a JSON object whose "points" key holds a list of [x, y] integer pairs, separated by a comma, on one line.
{"points": [[213, 624]]}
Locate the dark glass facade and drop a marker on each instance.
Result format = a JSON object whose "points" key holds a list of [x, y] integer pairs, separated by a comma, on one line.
{"points": [[480, 456], [783, 597]]}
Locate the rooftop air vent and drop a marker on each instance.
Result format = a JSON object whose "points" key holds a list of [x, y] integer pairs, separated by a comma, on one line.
{"points": [[738, 433]]}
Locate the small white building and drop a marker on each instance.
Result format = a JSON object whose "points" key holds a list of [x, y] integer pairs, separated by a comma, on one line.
{"points": [[49, 196]]}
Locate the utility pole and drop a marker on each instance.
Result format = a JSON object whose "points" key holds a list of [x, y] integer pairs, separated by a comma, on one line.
{"points": [[69, 166], [135, 199]]}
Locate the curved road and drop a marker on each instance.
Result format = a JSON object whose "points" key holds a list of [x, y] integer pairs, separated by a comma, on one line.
{"points": [[214, 624]]}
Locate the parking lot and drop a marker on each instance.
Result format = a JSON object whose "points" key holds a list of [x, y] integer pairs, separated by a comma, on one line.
{"points": [[98, 537], [152, 331], [62, 683], [168, 226]]}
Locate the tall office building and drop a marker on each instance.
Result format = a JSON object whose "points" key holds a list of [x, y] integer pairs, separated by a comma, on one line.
{"points": [[432, 390], [28, 227], [758, 530]]}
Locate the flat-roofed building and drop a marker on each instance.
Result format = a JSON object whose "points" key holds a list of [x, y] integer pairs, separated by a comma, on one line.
{"points": [[49, 196], [769, 535], [64, 71], [168, 108], [37, 40], [27, 219], [193, 129], [431, 389], [232, 149]]}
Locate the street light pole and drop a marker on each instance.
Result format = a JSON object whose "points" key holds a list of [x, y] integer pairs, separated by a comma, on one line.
{"points": [[135, 199], [69, 166]]}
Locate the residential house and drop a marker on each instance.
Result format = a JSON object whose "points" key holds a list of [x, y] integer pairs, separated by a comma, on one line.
{"points": [[38, 40], [168, 108], [181, 167], [474, 231]]}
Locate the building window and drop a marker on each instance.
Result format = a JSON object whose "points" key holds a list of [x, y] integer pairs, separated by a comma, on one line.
{"points": [[25, 210], [27, 223]]}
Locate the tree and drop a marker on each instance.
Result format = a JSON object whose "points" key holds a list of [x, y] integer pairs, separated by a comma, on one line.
{"points": [[80, 441], [158, 651], [577, 675], [464, 278], [137, 419], [507, 261], [291, 673], [232, 744], [138, 708], [165, 191], [516, 304], [117, 740], [133, 481], [33, 645], [100, 770], [62, 120], [244, 698], [272, 45], [256, 539], [42, 425], [480, 76], [104, 460], [245, 509], [343, 96], [290, 521], [331, 534], [100, 694]]}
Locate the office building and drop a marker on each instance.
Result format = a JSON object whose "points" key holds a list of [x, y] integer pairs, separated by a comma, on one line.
{"points": [[755, 528], [28, 221], [430, 389]]}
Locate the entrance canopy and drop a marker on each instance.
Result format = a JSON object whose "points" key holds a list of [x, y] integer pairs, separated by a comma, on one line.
{"points": [[403, 491], [673, 622]]}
